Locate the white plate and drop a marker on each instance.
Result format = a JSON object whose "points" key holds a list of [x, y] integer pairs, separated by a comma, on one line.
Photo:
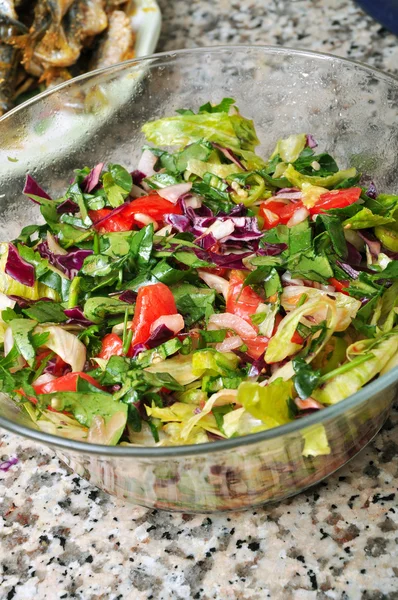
{"points": [[67, 125]]}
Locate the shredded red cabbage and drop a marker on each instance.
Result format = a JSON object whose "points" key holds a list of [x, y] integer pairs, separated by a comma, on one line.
{"points": [[17, 268], [348, 269], [128, 296], [32, 188], [311, 141], [69, 263], [371, 192], [76, 317], [91, 181], [67, 207], [372, 243], [159, 336], [227, 152]]}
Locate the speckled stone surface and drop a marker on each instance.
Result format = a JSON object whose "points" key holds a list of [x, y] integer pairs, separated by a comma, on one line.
{"points": [[62, 538]]}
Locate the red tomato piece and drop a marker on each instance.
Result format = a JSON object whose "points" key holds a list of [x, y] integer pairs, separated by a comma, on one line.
{"points": [[243, 302], [122, 218], [112, 345], [66, 383], [336, 199], [340, 286], [297, 338], [153, 301], [274, 212]]}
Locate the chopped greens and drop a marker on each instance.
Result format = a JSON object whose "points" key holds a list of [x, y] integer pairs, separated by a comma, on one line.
{"points": [[209, 293]]}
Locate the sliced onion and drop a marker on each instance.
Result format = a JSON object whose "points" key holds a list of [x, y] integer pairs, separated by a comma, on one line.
{"points": [[53, 245], [45, 378], [308, 403], [273, 199], [173, 192], [6, 302], [298, 216], [173, 322], [221, 229], [146, 163], [8, 346], [289, 195], [287, 278], [237, 324], [230, 343], [215, 282], [137, 192], [165, 231], [193, 202], [225, 397], [66, 345], [145, 220]]}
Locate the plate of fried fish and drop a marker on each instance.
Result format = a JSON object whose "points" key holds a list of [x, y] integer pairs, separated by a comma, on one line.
{"points": [[46, 42]]}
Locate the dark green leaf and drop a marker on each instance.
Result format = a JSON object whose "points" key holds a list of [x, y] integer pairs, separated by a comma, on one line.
{"points": [[46, 312], [335, 230], [306, 379]]}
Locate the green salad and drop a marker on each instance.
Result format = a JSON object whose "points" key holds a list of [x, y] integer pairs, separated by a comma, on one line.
{"points": [[210, 293]]}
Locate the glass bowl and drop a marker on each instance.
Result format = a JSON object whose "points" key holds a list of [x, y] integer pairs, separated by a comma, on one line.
{"points": [[352, 111]]}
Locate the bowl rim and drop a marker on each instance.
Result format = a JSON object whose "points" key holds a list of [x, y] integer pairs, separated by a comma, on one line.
{"points": [[159, 452]]}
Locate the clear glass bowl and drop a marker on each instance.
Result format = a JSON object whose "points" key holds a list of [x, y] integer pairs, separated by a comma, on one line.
{"points": [[352, 110]]}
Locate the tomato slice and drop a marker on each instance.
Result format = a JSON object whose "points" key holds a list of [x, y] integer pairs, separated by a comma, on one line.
{"points": [[122, 218], [341, 286], [275, 212], [112, 345], [153, 301], [243, 302], [297, 338], [336, 199], [66, 383]]}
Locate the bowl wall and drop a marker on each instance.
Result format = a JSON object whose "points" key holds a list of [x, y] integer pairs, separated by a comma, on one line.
{"points": [[351, 110]]}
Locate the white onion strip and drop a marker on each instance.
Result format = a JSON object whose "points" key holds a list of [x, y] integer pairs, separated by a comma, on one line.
{"points": [[173, 322], [298, 216], [146, 163], [230, 343], [237, 324], [215, 282], [173, 192]]}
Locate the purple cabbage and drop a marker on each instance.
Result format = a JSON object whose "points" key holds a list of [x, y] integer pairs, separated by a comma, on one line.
{"points": [[91, 181], [136, 349], [229, 261], [271, 249], [240, 210], [137, 177], [25, 302], [348, 269], [128, 296], [354, 257], [76, 317], [67, 207], [53, 369], [231, 156], [32, 188], [311, 141], [17, 268], [69, 263], [371, 192], [160, 335], [207, 241], [372, 243], [179, 222], [112, 214]]}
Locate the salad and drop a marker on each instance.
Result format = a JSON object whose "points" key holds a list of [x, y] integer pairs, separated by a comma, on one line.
{"points": [[208, 294]]}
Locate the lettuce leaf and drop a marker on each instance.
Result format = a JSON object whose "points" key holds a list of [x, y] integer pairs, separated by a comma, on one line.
{"points": [[268, 403], [297, 178], [343, 385], [233, 132], [315, 441]]}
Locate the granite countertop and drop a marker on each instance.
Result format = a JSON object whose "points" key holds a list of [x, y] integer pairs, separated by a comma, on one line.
{"points": [[63, 538]]}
